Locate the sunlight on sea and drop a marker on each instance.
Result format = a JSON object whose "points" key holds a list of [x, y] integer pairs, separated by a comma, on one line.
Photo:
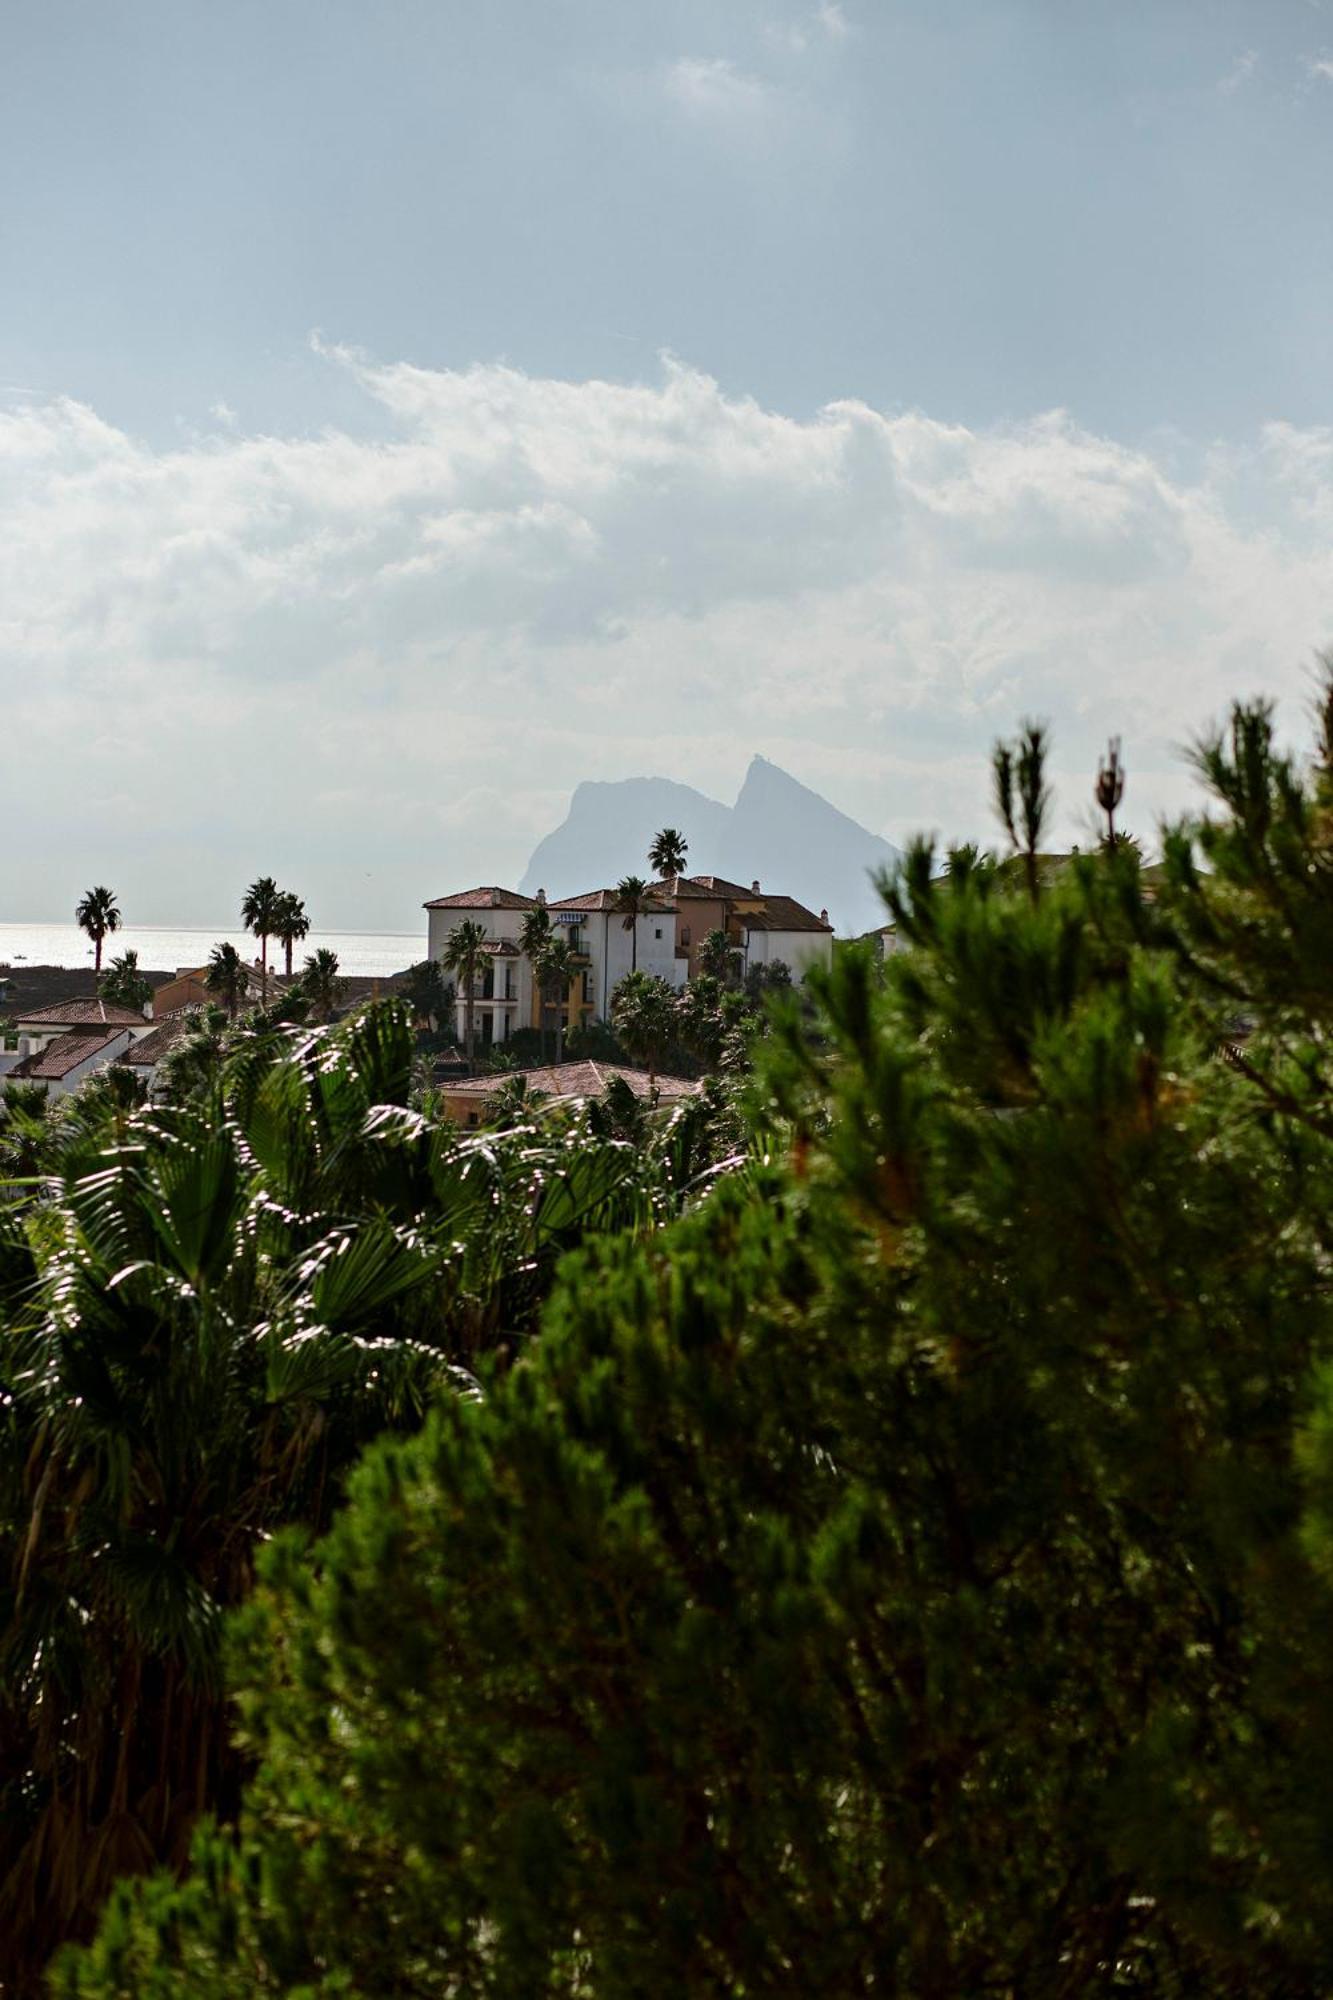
{"points": [[366, 954]]}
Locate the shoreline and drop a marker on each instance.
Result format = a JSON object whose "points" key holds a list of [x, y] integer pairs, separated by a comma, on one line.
{"points": [[34, 986]]}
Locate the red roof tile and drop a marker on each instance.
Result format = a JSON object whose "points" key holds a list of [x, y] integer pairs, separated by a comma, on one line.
{"points": [[58, 1058], [173, 1028], [575, 1079], [784, 913], [483, 899], [596, 900], [81, 1014]]}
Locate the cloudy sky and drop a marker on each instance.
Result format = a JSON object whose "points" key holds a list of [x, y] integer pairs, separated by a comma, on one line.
{"points": [[409, 408]]}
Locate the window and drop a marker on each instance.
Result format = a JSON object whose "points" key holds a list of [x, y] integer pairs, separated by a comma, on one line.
{"points": [[684, 933], [657, 934]]}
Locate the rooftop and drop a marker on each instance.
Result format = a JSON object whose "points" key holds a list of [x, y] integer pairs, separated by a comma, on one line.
{"points": [[784, 913], [62, 1055], [594, 900], [88, 1014], [575, 1079], [483, 899], [173, 1028]]}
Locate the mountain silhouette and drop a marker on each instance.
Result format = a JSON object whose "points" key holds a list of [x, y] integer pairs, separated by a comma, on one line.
{"points": [[779, 833]]}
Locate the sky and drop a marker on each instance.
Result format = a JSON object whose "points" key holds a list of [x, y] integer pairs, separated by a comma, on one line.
{"points": [[409, 410]]}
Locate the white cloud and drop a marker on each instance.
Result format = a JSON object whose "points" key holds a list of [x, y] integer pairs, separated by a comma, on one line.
{"points": [[711, 87], [833, 20], [394, 652], [1242, 69], [1319, 68]]}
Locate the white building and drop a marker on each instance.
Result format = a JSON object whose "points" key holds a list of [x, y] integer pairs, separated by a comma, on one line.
{"points": [[66, 1061], [785, 932], [765, 930], [59, 1046], [615, 950], [506, 996]]}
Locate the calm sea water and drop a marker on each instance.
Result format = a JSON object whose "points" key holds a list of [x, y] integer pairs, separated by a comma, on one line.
{"points": [[161, 949]]}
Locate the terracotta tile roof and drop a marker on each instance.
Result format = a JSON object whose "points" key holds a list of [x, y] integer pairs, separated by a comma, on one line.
{"points": [[62, 1055], [483, 899], [704, 888], [575, 1079], [784, 913], [501, 948], [595, 900], [173, 1028], [89, 1014]]}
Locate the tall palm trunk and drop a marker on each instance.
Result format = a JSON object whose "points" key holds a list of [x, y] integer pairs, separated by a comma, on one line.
{"points": [[97, 950], [263, 965], [559, 1028], [634, 945], [287, 944], [469, 1025]]}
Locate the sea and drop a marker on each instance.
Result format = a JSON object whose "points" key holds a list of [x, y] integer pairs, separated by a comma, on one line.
{"points": [[361, 954]]}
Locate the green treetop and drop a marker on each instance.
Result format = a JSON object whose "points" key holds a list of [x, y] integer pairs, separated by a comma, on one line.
{"points": [[909, 1572]]}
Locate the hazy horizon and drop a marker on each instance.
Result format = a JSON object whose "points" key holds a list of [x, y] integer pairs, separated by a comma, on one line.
{"points": [[408, 413]]}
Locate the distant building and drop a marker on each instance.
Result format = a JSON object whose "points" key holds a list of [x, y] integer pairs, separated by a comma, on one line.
{"points": [[190, 989], [507, 995], [62, 1064], [58, 1046], [664, 942], [145, 1054], [763, 928]]}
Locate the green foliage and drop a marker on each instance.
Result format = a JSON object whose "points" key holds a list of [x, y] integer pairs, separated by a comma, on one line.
{"points": [[263, 908], [123, 985], [643, 1015], [719, 956], [320, 984], [908, 1572], [633, 900], [429, 992], [227, 979], [465, 956], [555, 968], [666, 854], [290, 924], [209, 1309], [98, 914]]}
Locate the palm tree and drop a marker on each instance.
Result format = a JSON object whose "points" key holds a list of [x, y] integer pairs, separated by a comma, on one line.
{"points": [[260, 912], [227, 977], [319, 977], [667, 853], [292, 924], [98, 914], [557, 969], [534, 935], [643, 1015], [718, 955], [428, 991], [633, 902], [465, 956], [124, 985]]}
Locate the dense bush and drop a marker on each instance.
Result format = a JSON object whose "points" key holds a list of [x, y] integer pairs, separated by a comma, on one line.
{"points": [[209, 1308], [908, 1572]]}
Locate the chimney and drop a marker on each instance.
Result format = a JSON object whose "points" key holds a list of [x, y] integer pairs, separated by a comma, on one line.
{"points": [[823, 916], [754, 888], [541, 897]]}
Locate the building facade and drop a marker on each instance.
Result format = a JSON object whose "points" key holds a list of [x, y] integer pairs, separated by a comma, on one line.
{"points": [[663, 941]]}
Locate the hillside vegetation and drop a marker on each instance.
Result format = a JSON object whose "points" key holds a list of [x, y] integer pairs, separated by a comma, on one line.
{"points": [[889, 1554]]}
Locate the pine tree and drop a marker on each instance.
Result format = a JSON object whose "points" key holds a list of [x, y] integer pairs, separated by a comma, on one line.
{"points": [[910, 1572]]}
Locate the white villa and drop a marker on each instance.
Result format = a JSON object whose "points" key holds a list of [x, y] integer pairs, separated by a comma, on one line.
{"points": [[57, 1047], [763, 928]]}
